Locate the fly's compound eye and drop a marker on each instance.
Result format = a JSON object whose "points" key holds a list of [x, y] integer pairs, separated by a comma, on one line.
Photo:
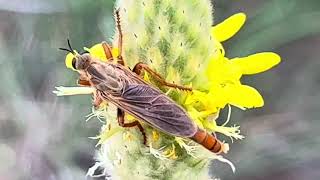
{"points": [[74, 63]]}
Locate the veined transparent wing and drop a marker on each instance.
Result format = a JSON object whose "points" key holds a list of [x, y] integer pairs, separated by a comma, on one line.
{"points": [[152, 106]]}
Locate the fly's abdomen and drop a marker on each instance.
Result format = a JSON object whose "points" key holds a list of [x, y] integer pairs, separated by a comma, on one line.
{"points": [[210, 142]]}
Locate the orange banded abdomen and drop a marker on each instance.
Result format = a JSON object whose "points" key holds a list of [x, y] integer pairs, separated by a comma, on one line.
{"points": [[210, 142]]}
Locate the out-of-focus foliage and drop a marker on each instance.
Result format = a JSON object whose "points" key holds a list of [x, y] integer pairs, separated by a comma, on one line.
{"points": [[42, 135], [282, 138]]}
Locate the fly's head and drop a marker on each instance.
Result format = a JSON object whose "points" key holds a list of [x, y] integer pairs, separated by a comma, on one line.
{"points": [[76, 61], [81, 62]]}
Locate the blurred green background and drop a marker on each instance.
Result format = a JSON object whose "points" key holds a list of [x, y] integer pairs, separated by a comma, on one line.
{"points": [[46, 137]]}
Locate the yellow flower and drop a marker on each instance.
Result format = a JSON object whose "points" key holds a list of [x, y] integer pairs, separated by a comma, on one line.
{"points": [[224, 79], [155, 136], [171, 153], [224, 85], [224, 74], [203, 106]]}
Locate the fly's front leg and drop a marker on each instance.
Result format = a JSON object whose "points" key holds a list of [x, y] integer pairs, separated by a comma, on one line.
{"points": [[83, 80], [120, 116], [97, 99], [141, 66], [107, 50]]}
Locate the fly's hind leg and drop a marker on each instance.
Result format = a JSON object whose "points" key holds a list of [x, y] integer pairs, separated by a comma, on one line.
{"points": [[120, 116], [97, 100], [141, 66], [118, 21]]}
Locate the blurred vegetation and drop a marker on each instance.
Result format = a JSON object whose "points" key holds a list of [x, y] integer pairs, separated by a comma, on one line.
{"points": [[282, 140], [43, 136]]}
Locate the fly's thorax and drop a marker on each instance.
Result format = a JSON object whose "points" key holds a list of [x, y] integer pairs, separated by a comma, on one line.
{"points": [[107, 77]]}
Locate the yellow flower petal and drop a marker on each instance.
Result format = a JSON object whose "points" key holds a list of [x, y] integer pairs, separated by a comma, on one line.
{"points": [[223, 70], [228, 27], [130, 118], [115, 52], [195, 96], [244, 96], [217, 98], [257, 63], [97, 51], [155, 136], [68, 61], [220, 52]]}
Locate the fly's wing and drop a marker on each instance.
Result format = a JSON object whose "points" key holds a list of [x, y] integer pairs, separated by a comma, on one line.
{"points": [[150, 105]]}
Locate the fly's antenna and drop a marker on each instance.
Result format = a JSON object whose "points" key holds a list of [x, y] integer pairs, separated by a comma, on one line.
{"points": [[64, 49], [69, 46]]}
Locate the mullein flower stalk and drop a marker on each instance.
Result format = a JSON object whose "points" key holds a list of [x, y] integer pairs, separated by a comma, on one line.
{"points": [[174, 38]]}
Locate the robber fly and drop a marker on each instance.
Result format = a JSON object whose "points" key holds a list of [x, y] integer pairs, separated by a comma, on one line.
{"points": [[126, 89]]}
